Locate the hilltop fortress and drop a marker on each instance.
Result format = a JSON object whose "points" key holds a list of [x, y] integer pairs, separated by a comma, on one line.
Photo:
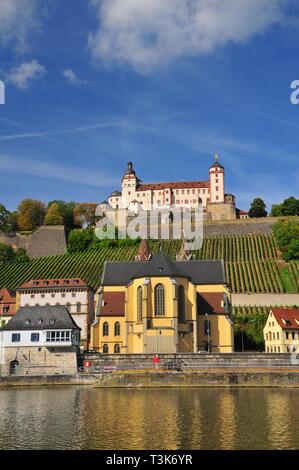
{"points": [[216, 204]]}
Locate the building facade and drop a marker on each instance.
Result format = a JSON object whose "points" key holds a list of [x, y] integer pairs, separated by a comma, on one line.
{"points": [[163, 306], [209, 194], [7, 305], [281, 331], [72, 293], [39, 341]]}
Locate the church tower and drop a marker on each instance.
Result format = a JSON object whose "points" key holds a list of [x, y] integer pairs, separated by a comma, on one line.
{"points": [[216, 173]]}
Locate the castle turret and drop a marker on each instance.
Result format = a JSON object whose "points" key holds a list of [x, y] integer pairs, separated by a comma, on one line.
{"points": [[129, 185], [216, 181]]}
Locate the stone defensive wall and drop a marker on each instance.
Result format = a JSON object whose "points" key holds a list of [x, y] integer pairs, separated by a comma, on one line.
{"points": [[260, 226], [45, 241]]}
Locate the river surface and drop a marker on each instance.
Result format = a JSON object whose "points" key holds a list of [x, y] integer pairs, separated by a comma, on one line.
{"points": [[189, 418]]}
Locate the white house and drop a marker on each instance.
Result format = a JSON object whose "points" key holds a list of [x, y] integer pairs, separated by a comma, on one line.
{"points": [[72, 293], [39, 341]]}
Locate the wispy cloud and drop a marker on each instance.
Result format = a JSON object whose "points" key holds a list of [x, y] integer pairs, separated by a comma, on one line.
{"points": [[28, 135], [56, 171], [73, 78], [148, 33], [22, 75], [17, 19]]}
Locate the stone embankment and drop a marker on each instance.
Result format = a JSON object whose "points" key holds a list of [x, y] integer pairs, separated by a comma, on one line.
{"points": [[204, 378], [45, 380]]}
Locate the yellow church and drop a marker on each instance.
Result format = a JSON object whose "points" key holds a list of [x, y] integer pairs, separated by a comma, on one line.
{"points": [[157, 305]]}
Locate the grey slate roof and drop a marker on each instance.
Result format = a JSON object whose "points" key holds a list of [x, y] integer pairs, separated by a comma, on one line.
{"points": [[199, 272], [60, 315]]}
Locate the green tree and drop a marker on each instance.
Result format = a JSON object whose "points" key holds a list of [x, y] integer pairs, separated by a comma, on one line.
{"points": [[290, 206], [53, 215], [31, 214], [276, 210], [258, 208], [293, 250], [7, 253], [285, 231], [4, 214], [79, 240], [21, 256], [66, 210]]}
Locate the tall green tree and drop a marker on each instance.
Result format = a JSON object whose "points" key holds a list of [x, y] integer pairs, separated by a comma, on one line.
{"points": [[31, 214], [290, 206], [258, 208], [276, 210], [53, 215], [4, 215], [7, 253]]}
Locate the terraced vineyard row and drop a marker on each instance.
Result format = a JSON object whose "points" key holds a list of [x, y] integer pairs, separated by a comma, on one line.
{"points": [[239, 248], [258, 277], [250, 262]]}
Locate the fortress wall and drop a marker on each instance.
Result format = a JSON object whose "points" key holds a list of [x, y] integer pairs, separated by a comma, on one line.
{"points": [[261, 226], [45, 241]]}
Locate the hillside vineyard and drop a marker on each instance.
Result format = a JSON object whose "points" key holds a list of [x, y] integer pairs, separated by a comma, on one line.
{"points": [[252, 263]]}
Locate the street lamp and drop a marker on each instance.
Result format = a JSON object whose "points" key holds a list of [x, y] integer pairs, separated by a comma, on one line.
{"points": [[208, 331]]}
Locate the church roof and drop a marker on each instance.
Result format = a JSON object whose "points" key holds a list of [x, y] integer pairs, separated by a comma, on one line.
{"points": [[199, 272]]}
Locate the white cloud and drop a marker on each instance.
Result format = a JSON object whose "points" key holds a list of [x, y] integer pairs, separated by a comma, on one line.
{"points": [[152, 32], [17, 18], [72, 77], [56, 171], [22, 75]]}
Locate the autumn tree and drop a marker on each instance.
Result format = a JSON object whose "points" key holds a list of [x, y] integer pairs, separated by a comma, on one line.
{"points": [[84, 214], [54, 216], [31, 214]]}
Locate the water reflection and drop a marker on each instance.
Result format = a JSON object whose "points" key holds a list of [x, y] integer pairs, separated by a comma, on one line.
{"points": [[208, 418]]}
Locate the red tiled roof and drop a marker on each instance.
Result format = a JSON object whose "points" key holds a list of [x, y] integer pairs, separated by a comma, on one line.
{"points": [[174, 185], [286, 318], [210, 302], [51, 283], [113, 304], [7, 302], [243, 212]]}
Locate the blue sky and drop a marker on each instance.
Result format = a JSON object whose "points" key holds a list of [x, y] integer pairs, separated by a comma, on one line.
{"points": [[92, 84]]}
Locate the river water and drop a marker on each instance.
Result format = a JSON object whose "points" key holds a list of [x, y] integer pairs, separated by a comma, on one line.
{"points": [[189, 418]]}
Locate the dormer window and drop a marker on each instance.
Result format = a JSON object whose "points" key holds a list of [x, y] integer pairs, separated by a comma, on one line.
{"points": [[52, 321], [27, 322], [39, 321]]}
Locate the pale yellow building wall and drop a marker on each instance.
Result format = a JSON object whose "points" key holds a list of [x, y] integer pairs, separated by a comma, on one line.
{"points": [[181, 337], [276, 338]]}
